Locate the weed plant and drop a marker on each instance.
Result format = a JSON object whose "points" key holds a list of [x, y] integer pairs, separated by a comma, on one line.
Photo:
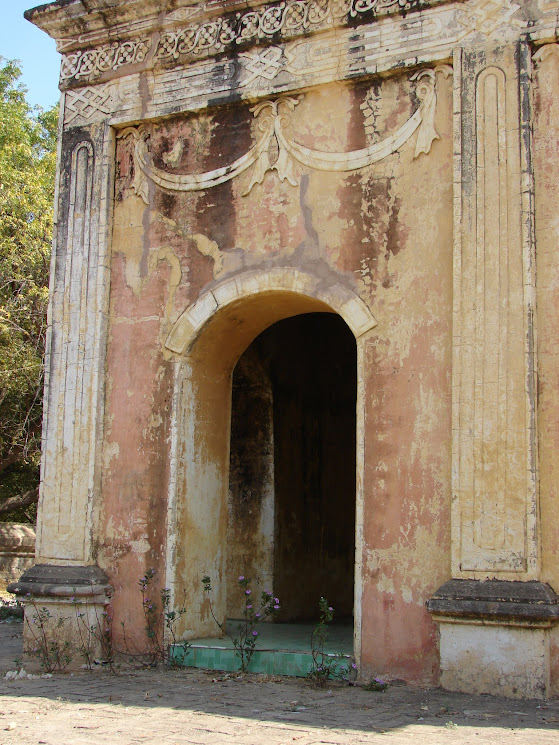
{"points": [[254, 612]]}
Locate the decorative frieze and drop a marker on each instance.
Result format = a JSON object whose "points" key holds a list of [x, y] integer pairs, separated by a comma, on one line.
{"points": [[486, 16], [231, 32], [94, 101], [277, 151], [94, 62], [285, 18], [261, 71]]}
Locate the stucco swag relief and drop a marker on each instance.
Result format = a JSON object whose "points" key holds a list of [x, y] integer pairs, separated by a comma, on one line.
{"points": [[276, 150]]}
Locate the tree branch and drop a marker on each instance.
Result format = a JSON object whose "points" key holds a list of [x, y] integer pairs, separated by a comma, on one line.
{"points": [[20, 449], [21, 500], [10, 459]]}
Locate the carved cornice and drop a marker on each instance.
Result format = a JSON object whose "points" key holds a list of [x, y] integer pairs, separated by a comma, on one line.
{"points": [[288, 18], [75, 26], [193, 32], [111, 39], [92, 63]]}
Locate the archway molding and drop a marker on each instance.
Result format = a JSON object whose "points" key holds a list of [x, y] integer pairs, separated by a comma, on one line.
{"points": [[335, 297]]}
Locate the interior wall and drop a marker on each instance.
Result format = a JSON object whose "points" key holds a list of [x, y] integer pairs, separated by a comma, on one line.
{"points": [[307, 379], [314, 382], [250, 529]]}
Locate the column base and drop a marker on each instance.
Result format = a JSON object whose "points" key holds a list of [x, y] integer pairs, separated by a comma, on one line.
{"points": [[494, 636], [65, 624]]}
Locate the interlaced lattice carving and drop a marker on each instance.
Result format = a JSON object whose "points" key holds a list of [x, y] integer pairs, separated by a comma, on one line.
{"points": [[85, 102], [281, 20], [488, 15], [93, 62]]}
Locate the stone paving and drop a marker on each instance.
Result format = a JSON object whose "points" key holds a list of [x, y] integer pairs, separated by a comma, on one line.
{"points": [[176, 707]]}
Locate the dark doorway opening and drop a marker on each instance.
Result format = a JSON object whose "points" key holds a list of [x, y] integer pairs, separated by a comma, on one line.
{"points": [[292, 466]]}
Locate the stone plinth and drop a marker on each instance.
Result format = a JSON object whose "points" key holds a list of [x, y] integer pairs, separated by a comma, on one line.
{"points": [[494, 636], [64, 605]]}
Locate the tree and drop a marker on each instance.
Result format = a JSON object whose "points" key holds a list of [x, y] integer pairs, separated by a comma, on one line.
{"points": [[27, 172]]}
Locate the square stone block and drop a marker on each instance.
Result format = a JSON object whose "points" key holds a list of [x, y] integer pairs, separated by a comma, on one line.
{"points": [[503, 660]]}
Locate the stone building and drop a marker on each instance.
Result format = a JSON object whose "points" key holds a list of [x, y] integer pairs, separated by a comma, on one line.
{"points": [[304, 322]]}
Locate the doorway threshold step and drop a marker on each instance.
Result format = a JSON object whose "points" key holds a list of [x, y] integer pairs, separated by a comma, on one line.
{"points": [[267, 661], [282, 649]]}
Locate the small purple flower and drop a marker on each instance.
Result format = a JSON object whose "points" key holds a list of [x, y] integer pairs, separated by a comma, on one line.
{"points": [[249, 606], [257, 615], [276, 600], [241, 578], [255, 633], [247, 592], [330, 608], [276, 607], [353, 666]]}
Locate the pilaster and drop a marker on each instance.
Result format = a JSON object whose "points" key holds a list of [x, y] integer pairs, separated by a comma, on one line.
{"points": [[494, 447], [65, 576], [76, 347], [494, 600]]}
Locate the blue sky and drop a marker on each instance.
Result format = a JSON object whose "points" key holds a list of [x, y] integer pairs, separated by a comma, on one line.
{"points": [[36, 51]]}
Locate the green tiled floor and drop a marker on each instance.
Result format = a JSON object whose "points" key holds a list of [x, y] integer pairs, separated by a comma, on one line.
{"points": [[282, 649]]}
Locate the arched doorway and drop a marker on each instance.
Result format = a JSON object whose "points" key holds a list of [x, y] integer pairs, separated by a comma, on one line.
{"points": [[207, 340], [291, 520]]}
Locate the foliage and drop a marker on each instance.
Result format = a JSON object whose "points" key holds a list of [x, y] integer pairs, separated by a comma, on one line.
{"points": [[246, 637], [49, 646], [27, 172], [10, 610], [160, 621], [376, 684], [92, 636], [326, 666]]}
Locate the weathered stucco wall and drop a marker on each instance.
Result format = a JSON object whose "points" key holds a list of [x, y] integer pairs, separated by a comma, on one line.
{"points": [[408, 399], [222, 170], [546, 163], [387, 232]]}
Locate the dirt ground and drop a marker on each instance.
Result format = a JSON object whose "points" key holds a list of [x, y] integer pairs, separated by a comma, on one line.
{"points": [[170, 707]]}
